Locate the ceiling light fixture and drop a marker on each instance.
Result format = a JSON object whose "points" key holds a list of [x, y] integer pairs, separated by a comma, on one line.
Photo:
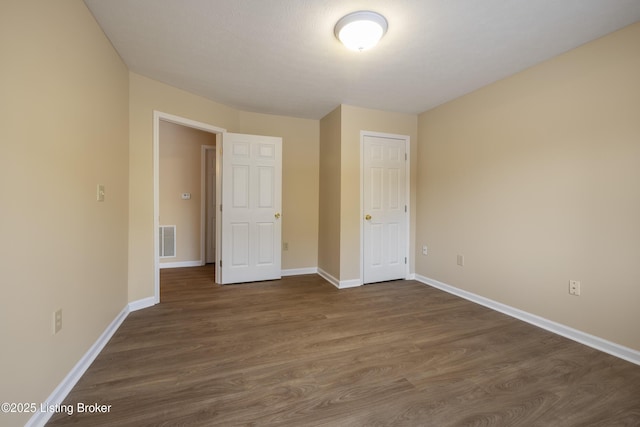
{"points": [[361, 30]]}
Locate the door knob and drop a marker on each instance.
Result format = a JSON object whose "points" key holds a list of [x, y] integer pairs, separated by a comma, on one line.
{"points": [[367, 217], [277, 215]]}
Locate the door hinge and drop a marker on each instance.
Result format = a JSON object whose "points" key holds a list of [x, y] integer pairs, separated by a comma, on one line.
{"points": [[220, 263], [405, 157], [405, 208], [405, 260], [220, 207]]}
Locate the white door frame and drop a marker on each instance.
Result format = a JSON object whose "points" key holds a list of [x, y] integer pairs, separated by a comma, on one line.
{"points": [[407, 146], [203, 198], [157, 117]]}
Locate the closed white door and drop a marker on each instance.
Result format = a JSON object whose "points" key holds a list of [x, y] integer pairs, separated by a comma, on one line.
{"points": [[251, 206], [385, 209]]}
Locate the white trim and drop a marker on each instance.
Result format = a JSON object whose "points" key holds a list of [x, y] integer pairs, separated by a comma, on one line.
{"points": [[340, 284], [329, 278], [188, 122], [407, 150], [157, 117], [156, 205], [353, 283], [299, 271], [203, 201], [62, 390], [180, 264], [141, 303], [617, 350], [218, 273]]}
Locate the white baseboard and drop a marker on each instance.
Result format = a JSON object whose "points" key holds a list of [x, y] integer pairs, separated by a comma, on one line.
{"points": [[63, 389], [329, 278], [142, 303], [353, 283], [299, 271], [180, 264], [617, 350], [340, 284]]}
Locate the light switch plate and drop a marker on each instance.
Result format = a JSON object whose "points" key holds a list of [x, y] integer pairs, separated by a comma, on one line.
{"points": [[100, 193], [57, 321]]}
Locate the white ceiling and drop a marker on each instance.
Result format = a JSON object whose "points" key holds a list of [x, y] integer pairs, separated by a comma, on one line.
{"points": [[281, 56]]}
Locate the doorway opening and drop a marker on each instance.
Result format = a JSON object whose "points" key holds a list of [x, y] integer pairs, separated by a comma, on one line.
{"points": [[164, 117]]}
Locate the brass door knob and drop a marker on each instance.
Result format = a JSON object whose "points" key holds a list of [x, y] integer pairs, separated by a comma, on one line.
{"points": [[277, 215], [367, 217]]}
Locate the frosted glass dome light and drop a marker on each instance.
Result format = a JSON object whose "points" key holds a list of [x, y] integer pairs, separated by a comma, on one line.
{"points": [[361, 30]]}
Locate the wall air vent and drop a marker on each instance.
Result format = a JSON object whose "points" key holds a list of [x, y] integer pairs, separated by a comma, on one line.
{"points": [[167, 241]]}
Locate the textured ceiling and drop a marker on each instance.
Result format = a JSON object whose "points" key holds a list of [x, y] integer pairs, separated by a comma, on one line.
{"points": [[281, 57]]}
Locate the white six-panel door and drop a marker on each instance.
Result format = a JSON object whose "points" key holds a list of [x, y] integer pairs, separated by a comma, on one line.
{"points": [[251, 208], [384, 204]]}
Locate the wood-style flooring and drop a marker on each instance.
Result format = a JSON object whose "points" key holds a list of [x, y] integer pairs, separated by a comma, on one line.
{"points": [[299, 352]]}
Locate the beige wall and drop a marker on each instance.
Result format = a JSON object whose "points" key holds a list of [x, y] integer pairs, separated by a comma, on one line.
{"points": [[63, 130], [354, 120], [329, 195], [535, 180], [300, 163], [339, 243], [180, 163]]}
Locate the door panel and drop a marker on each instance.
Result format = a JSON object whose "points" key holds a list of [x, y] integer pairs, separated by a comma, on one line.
{"points": [[266, 237], [384, 204], [240, 244], [251, 204]]}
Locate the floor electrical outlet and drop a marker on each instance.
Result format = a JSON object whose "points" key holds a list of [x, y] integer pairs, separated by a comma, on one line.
{"points": [[574, 288]]}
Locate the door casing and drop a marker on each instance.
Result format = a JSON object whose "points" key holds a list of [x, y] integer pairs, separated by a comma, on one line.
{"points": [[207, 229], [157, 117]]}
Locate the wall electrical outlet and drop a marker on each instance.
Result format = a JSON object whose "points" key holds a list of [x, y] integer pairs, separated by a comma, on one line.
{"points": [[285, 246], [424, 250], [57, 321], [574, 288], [461, 260]]}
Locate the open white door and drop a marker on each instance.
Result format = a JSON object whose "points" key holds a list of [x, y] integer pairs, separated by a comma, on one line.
{"points": [[385, 209], [251, 206]]}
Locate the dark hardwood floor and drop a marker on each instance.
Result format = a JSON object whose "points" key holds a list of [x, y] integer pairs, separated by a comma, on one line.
{"points": [[298, 352]]}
